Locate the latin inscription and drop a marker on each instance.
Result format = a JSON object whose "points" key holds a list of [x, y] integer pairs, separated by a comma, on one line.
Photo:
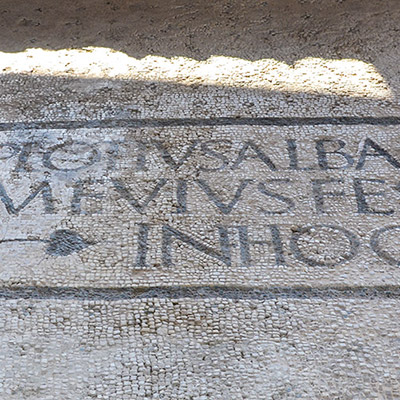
{"points": [[205, 195]]}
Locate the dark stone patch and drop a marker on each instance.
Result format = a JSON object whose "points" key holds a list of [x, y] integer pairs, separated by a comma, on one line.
{"points": [[64, 242]]}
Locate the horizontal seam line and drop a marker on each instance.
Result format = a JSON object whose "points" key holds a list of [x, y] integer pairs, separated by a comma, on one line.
{"points": [[220, 121], [205, 291]]}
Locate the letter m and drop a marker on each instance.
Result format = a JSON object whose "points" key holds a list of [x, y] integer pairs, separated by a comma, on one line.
{"points": [[43, 188]]}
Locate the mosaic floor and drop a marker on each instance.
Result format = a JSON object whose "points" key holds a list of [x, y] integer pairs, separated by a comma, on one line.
{"points": [[208, 222]]}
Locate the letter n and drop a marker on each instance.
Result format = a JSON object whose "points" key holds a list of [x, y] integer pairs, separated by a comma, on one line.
{"points": [[169, 233]]}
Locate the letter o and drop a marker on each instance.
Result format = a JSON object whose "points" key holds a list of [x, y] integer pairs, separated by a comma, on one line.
{"points": [[374, 242], [93, 158], [351, 237], [12, 146]]}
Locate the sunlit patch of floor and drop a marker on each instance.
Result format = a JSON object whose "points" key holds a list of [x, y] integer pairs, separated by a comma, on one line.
{"points": [[349, 77]]}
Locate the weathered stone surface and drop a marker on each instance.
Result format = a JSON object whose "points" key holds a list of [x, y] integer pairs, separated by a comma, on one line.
{"points": [[201, 348], [207, 208]]}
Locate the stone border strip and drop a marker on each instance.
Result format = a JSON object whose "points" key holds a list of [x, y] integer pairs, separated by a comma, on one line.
{"points": [[220, 121], [198, 292]]}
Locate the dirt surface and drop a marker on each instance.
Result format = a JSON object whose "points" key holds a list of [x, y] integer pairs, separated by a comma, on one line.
{"points": [[286, 31]]}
